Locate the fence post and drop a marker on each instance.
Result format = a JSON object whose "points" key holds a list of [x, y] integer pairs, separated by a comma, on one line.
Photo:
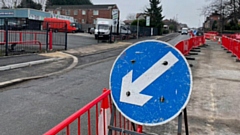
{"points": [[98, 35], [20, 36], [50, 40], [66, 36], [35, 38], [6, 36], [139, 129], [47, 34], [110, 35]]}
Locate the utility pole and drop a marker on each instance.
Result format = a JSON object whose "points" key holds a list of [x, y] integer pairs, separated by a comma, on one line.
{"points": [[234, 5], [234, 11], [222, 24]]}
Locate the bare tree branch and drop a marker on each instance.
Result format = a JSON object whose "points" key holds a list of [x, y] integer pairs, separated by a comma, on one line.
{"points": [[131, 16]]}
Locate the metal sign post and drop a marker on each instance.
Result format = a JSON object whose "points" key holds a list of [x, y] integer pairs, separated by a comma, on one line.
{"points": [[148, 21], [151, 83]]}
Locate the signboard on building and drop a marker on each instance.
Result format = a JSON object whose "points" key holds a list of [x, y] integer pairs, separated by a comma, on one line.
{"points": [[115, 16], [35, 17], [6, 13], [63, 17]]}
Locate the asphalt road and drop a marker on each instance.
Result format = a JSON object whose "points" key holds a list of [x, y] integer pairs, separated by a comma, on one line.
{"points": [[35, 106], [80, 39], [178, 38]]}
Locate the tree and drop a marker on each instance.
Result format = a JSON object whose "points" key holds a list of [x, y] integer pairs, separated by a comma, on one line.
{"points": [[229, 10], [214, 26], [29, 4], [68, 2], [9, 3], [131, 16], [42, 2], [142, 22], [155, 13]]}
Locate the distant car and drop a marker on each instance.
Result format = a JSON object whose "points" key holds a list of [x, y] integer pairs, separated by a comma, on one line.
{"points": [[91, 31], [14, 26]]}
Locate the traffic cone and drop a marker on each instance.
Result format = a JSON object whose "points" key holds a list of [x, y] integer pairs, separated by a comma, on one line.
{"points": [[219, 41], [214, 38], [104, 116]]}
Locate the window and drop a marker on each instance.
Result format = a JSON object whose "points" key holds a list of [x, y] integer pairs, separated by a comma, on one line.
{"points": [[75, 12], [95, 12], [67, 12], [83, 12], [83, 21]]}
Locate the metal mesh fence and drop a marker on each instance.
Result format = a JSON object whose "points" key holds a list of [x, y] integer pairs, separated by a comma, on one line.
{"points": [[133, 32], [15, 39]]}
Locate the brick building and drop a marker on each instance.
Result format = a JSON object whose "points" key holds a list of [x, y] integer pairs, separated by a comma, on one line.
{"points": [[85, 14], [214, 17]]}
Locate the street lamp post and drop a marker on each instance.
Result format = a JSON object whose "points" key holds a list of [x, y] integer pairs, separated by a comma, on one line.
{"points": [[137, 25], [221, 30], [144, 15]]}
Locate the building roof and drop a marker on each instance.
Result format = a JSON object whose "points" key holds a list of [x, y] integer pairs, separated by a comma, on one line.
{"points": [[108, 6], [128, 21], [141, 15]]}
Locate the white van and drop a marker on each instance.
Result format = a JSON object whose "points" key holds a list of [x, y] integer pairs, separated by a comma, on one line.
{"points": [[103, 28], [184, 31]]}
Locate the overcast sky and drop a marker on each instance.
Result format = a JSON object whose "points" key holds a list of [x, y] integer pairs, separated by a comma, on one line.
{"points": [[187, 11]]}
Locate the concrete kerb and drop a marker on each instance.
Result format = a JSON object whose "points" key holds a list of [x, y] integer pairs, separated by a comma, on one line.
{"points": [[18, 80], [26, 64]]}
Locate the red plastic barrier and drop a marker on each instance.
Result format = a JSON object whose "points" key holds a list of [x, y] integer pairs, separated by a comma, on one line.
{"points": [[238, 50], [92, 121], [186, 46], [179, 46], [231, 45], [209, 36], [235, 47]]}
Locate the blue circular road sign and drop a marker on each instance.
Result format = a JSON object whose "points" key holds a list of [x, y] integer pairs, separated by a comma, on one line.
{"points": [[151, 83]]}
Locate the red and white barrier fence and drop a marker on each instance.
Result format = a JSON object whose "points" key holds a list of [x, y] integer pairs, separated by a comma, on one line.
{"points": [[186, 46], [98, 114], [232, 45]]}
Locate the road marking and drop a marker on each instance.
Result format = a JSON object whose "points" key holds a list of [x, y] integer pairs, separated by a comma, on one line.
{"points": [[213, 107]]}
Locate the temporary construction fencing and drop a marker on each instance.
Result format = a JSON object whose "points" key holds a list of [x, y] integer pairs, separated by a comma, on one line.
{"points": [[97, 121], [186, 46], [94, 118], [232, 45]]}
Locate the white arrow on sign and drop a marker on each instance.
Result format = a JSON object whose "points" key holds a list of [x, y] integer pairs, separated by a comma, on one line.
{"points": [[130, 91]]}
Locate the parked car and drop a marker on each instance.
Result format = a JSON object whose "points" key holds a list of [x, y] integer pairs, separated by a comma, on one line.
{"points": [[91, 31], [12, 26]]}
